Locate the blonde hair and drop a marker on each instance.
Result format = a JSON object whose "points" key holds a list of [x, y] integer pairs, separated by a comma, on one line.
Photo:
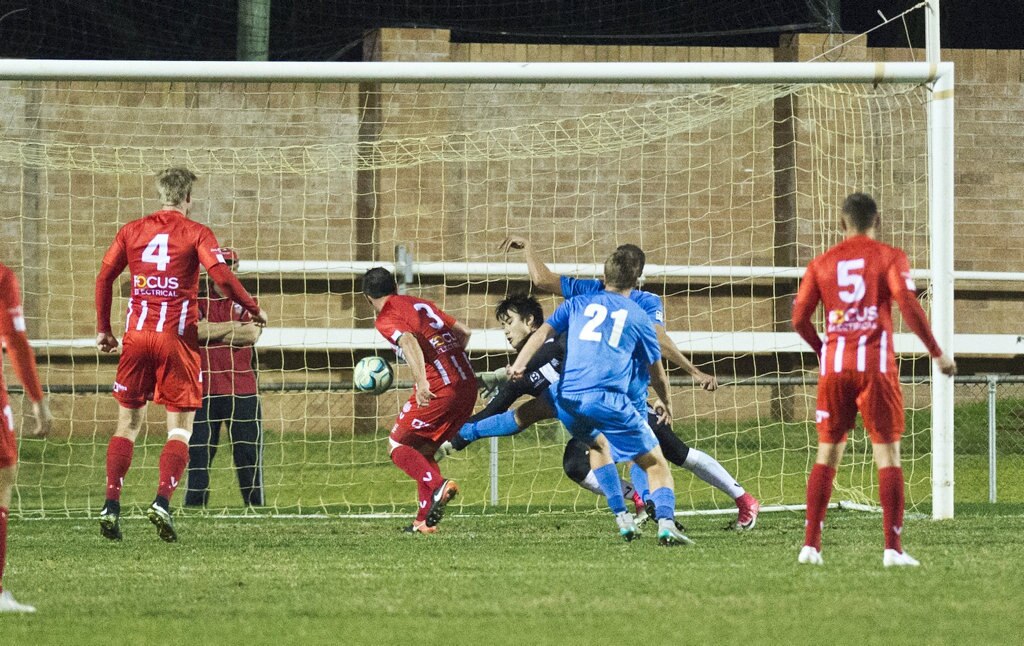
{"points": [[175, 185]]}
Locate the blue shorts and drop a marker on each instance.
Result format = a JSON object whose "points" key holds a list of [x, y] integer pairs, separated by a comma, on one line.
{"points": [[610, 414]]}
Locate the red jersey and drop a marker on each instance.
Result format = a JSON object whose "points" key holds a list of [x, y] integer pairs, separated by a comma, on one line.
{"points": [[857, 280], [163, 252], [227, 370], [444, 356]]}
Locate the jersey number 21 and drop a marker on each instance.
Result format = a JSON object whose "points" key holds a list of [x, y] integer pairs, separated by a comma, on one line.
{"points": [[597, 313]]}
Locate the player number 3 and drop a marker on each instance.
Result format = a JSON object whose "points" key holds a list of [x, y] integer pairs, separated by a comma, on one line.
{"points": [[598, 313]]}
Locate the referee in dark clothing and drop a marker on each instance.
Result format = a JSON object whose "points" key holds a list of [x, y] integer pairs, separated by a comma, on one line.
{"points": [[230, 397]]}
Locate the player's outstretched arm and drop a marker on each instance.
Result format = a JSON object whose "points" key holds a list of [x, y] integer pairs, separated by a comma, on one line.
{"points": [[659, 382], [671, 351], [417, 364], [543, 279], [536, 340], [105, 339]]}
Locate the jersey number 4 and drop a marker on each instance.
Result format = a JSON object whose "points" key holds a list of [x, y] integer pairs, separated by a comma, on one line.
{"points": [[597, 314], [156, 252]]}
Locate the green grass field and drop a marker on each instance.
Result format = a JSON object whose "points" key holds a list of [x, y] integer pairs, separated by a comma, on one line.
{"points": [[514, 579]]}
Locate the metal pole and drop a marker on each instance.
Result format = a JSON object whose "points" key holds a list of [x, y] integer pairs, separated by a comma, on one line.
{"points": [[253, 30], [940, 224], [993, 382], [494, 471]]}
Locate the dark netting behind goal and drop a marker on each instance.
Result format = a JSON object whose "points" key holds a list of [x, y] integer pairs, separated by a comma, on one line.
{"points": [[329, 30]]}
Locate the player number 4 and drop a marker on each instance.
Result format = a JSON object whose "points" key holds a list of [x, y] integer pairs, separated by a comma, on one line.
{"points": [[598, 313], [156, 252]]}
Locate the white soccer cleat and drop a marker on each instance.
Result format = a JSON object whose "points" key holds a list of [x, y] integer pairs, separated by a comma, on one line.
{"points": [[810, 556], [627, 526], [443, 451], [891, 558], [670, 534], [8, 604]]}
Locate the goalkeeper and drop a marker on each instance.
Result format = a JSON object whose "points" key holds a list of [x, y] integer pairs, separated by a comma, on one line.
{"points": [[519, 316]]}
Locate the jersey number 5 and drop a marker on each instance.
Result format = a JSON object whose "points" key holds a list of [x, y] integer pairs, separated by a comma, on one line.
{"points": [[855, 282], [156, 252], [597, 314]]}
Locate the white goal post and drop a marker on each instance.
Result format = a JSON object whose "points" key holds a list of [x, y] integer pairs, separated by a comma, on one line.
{"points": [[937, 77]]}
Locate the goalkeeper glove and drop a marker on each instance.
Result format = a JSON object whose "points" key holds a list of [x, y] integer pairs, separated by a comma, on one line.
{"points": [[490, 382]]}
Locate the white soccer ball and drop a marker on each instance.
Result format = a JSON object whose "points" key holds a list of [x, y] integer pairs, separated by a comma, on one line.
{"points": [[373, 375]]}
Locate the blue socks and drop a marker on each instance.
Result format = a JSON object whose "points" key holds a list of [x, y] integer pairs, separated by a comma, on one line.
{"points": [[608, 477], [496, 426], [639, 478], [664, 503]]}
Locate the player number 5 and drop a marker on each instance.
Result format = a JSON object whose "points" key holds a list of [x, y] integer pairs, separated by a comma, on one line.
{"points": [[854, 281], [156, 252], [598, 313]]}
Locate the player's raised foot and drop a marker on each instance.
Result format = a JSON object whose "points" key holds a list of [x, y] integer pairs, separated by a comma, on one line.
{"points": [[161, 517], [439, 500], [748, 508], [8, 604], [892, 558], [443, 451], [810, 556], [419, 527], [627, 526], [110, 525], [669, 534]]}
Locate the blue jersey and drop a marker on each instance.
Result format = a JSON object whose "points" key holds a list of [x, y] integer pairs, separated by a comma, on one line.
{"points": [[608, 336], [650, 303]]}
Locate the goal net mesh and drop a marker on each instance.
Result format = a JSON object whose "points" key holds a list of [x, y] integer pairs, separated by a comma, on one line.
{"points": [[302, 179]]}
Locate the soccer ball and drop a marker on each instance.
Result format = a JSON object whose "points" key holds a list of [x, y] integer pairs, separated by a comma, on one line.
{"points": [[372, 375]]}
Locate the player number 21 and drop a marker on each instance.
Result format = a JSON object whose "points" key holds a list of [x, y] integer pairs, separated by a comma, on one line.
{"points": [[597, 314], [156, 252]]}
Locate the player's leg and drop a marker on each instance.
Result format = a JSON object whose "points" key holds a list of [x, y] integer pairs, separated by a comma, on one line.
{"points": [[246, 430], [881, 405], [179, 389], [8, 474], [663, 495], [707, 469], [500, 425], [202, 447], [120, 452], [576, 465]]}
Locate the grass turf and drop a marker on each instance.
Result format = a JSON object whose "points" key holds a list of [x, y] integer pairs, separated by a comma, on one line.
{"points": [[513, 579]]}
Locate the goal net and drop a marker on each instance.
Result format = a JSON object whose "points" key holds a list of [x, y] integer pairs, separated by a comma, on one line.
{"points": [[730, 188]]}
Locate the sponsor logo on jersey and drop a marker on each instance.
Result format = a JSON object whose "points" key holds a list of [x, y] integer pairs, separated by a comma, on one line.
{"points": [[418, 423], [166, 286], [853, 319], [443, 342]]}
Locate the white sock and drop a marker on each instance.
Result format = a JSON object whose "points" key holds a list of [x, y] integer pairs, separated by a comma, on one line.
{"points": [[590, 484], [710, 471]]}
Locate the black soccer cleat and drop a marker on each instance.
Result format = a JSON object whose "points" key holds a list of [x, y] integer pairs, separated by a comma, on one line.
{"points": [[439, 499], [164, 524], [110, 525]]}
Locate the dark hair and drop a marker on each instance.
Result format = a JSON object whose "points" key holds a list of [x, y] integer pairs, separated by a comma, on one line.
{"points": [[621, 270], [378, 282], [522, 304], [862, 211], [637, 254]]}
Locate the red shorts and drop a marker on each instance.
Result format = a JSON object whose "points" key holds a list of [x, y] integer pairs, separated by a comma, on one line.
{"points": [[8, 445], [425, 429], [878, 398], [162, 367]]}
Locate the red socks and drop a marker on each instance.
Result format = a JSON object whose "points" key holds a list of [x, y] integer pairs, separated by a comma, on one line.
{"points": [[424, 471], [819, 491], [119, 459], [173, 459], [3, 544], [890, 493]]}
